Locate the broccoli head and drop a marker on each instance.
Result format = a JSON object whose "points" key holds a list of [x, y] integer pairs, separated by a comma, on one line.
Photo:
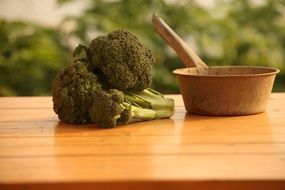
{"points": [[73, 91], [123, 61], [107, 108]]}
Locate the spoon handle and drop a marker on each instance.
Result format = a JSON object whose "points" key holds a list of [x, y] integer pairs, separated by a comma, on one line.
{"points": [[186, 54]]}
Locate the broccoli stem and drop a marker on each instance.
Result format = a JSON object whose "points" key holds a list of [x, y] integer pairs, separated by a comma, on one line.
{"points": [[153, 100], [139, 113]]}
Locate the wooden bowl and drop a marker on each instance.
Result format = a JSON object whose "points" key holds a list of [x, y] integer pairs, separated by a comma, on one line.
{"points": [[226, 90]]}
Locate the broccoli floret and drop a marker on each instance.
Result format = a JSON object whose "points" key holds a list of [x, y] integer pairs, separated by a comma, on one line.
{"points": [[81, 53], [112, 107], [125, 63], [73, 91], [107, 108]]}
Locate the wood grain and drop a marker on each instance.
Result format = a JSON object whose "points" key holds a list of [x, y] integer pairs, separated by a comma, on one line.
{"points": [[39, 152]]}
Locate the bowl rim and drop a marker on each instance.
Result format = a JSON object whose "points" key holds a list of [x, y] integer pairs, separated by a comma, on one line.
{"points": [[271, 71]]}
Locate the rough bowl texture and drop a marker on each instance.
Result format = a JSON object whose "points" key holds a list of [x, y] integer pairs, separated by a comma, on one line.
{"points": [[226, 90]]}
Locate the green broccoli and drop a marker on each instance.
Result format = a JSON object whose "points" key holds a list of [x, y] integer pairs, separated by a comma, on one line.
{"points": [[73, 91], [111, 108], [82, 92], [124, 62], [81, 53]]}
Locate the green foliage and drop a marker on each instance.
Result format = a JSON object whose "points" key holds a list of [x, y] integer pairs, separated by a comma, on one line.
{"points": [[230, 33], [30, 56]]}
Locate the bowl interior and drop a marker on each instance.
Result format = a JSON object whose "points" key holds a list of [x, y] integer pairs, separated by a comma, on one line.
{"points": [[229, 71]]}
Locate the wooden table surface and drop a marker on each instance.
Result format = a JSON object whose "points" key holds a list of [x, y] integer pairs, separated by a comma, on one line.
{"points": [[187, 151]]}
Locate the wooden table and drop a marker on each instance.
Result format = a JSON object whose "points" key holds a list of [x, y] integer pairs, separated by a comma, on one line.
{"points": [[187, 151]]}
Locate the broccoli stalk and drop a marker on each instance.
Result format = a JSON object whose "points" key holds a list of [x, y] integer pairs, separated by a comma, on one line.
{"points": [[112, 107], [152, 99], [139, 113]]}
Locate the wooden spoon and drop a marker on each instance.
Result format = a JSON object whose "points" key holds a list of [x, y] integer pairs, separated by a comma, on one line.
{"points": [[186, 54]]}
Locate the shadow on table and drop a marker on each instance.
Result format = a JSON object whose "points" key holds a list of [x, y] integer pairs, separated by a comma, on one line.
{"points": [[145, 127]]}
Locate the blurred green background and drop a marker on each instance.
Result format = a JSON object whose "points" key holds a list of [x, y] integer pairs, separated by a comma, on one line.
{"points": [[228, 32]]}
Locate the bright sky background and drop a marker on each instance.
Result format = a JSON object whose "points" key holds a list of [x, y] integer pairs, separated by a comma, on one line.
{"points": [[47, 12]]}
